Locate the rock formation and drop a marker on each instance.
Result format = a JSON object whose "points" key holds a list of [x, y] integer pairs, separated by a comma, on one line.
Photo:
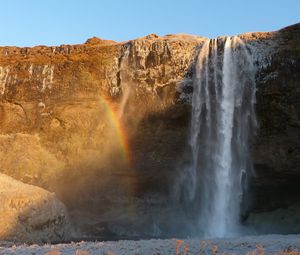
{"points": [[64, 117], [31, 214]]}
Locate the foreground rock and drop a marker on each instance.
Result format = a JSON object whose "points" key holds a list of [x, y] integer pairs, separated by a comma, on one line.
{"points": [[31, 214], [269, 244]]}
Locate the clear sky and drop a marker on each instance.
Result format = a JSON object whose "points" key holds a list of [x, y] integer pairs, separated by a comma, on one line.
{"points": [[55, 22]]}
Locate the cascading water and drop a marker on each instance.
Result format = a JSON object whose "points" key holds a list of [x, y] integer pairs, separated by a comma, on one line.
{"points": [[125, 81], [223, 121]]}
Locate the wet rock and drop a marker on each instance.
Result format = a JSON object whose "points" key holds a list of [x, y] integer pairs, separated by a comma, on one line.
{"points": [[279, 221]]}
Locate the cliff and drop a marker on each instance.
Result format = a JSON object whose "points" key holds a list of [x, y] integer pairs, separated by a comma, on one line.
{"points": [[104, 124]]}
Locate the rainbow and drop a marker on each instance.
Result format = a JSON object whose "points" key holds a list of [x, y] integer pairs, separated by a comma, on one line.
{"points": [[120, 130]]}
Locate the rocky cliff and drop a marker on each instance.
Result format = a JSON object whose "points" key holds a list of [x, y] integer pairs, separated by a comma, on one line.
{"points": [[105, 124]]}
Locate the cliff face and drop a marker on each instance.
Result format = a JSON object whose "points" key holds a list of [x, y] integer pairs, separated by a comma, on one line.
{"points": [[66, 124], [105, 124], [64, 96], [277, 145]]}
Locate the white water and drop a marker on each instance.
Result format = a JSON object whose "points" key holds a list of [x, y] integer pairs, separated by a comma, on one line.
{"points": [[125, 82], [223, 120]]}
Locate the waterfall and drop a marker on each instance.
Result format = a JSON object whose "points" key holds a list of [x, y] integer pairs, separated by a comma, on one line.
{"points": [[125, 81], [222, 124]]}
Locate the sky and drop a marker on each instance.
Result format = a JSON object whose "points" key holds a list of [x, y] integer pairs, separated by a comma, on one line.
{"points": [[55, 22]]}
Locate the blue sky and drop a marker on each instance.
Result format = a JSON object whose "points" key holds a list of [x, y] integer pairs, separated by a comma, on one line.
{"points": [[55, 22]]}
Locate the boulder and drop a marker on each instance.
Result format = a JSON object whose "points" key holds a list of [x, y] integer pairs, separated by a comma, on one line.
{"points": [[31, 214]]}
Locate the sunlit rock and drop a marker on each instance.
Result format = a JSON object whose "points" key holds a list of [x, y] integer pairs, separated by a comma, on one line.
{"points": [[31, 214]]}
